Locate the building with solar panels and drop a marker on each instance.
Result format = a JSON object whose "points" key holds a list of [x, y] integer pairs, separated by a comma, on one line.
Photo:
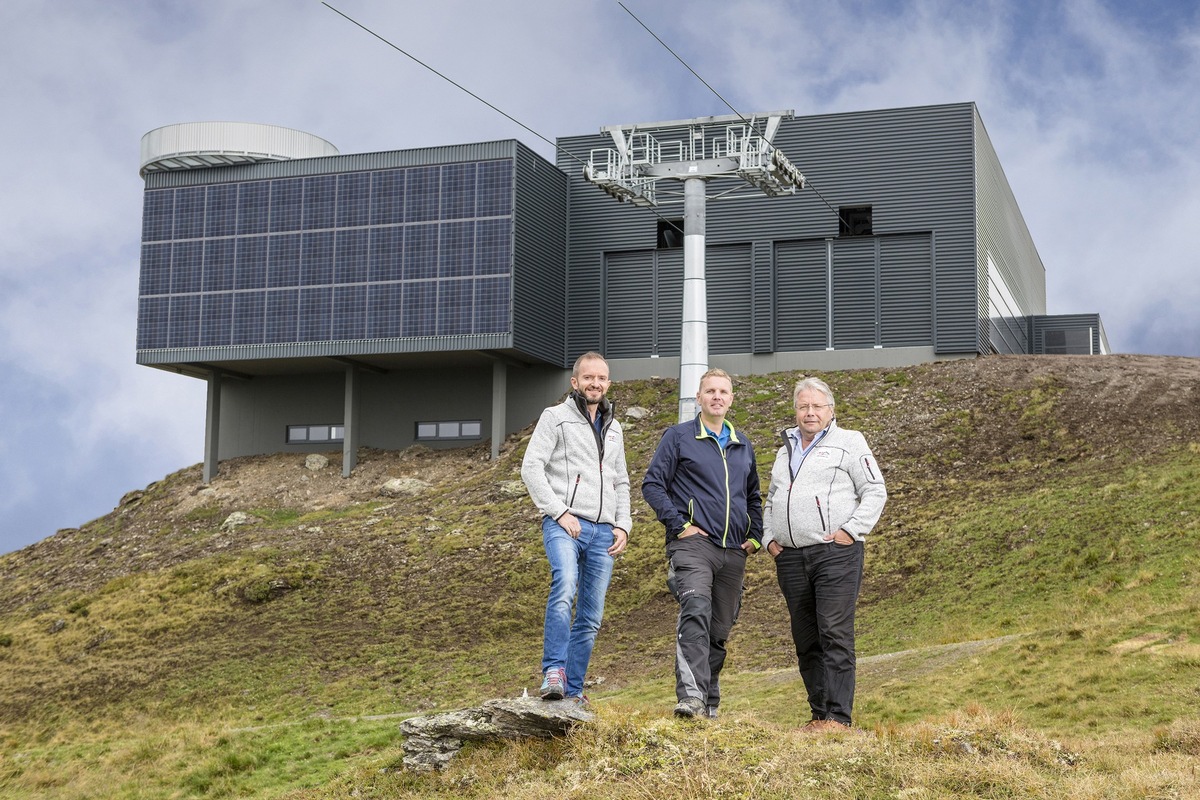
{"points": [[440, 295]]}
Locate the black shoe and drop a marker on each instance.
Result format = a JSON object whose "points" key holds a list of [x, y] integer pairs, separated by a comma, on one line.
{"points": [[711, 712], [690, 707]]}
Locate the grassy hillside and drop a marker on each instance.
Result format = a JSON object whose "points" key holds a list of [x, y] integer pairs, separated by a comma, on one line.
{"points": [[1028, 626]]}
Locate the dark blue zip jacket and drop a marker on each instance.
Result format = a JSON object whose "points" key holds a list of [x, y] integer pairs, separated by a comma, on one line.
{"points": [[692, 482]]}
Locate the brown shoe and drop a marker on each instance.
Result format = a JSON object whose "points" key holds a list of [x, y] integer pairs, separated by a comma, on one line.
{"points": [[824, 726]]}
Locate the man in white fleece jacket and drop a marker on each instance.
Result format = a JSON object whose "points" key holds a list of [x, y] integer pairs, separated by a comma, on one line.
{"points": [[826, 495], [574, 469]]}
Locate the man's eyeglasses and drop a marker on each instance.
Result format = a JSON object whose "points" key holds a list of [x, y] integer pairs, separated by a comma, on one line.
{"points": [[804, 409]]}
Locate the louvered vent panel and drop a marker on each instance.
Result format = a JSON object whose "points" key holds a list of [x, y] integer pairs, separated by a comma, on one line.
{"points": [[855, 293], [730, 302], [801, 296], [906, 291]]}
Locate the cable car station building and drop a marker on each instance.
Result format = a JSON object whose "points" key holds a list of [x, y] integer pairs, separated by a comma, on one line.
{"points": [[440, 295]]}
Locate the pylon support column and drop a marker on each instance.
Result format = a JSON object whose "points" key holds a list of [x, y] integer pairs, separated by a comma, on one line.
{"points": [[693, 345]]}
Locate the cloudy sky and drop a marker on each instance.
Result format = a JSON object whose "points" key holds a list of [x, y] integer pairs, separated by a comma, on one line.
{"points": [[1091, 105]]}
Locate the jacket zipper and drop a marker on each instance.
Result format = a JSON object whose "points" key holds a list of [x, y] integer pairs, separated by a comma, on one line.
{"points": [[867, 464], [820, 513], [787, 508], [725, 466], [788, 514], [725, 533], [571, 502], [600, 450], [599, 437]]}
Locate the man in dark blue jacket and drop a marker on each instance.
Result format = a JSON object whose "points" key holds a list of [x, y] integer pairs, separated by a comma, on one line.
{"points": [[703, 486]]}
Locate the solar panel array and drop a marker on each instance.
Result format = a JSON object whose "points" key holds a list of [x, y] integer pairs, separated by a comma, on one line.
{"points": [[406, 252]]}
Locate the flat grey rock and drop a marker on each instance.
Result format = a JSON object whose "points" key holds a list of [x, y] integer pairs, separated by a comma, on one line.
{"points": [[431, 741]]}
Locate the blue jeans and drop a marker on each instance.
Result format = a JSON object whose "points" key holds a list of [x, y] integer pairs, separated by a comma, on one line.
{"points": [[580, 570]]}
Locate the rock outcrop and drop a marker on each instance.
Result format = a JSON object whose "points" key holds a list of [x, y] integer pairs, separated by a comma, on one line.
{"points": [[432, 740]]}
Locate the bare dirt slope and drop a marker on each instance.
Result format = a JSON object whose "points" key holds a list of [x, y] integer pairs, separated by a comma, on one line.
{"points": [[927, 424]]}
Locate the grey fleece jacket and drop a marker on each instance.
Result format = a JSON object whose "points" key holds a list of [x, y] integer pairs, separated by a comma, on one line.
{"points": [[567, 467], [838, 485]]}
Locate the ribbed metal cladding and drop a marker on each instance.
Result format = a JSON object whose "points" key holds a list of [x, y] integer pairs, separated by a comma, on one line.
{"points": [[539, 284], [730, 299], [1004, 237], [906, 290], [855, 293], [802, 292], [360, 347], [913, 166], [598, 224], [763, 289], [631, 299], [668, 301], [1089, 323]]}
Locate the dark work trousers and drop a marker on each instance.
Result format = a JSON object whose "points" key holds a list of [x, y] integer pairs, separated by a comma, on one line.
{"points": [[706, 580], [820, 584]]}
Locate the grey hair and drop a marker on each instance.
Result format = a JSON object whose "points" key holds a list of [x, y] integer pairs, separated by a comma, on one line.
{"points": [[816, 385]]}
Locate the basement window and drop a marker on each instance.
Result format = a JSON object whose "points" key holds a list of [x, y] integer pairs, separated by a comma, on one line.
{"points": [[854, 221], [670, 234], [316, 434], [449, 430], [1070, 342]]}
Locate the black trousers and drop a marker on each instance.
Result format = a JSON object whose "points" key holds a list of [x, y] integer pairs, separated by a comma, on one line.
{"points": [[820, 584], [706, 580]]}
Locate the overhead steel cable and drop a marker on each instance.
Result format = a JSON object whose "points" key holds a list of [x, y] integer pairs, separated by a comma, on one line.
{"points": [[685, 64], [728, 105], [459, 86], [450, 81]]}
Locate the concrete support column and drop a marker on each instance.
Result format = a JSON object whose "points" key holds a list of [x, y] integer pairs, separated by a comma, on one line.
{"points": [[693, 354], [350, 415], [499, 405], [212, 425]]}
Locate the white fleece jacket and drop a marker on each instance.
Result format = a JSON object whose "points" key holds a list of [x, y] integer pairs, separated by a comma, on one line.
{"points": [[566, 469], [838, 485]]}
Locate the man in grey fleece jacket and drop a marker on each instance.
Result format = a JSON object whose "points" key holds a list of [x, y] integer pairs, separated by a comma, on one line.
{"points": [[574, 469], [826, 495]]}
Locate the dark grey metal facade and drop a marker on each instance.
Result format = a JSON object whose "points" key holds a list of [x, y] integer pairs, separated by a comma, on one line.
{"points": [[781, 278], [426, 262], [1068, 334], [539, 283], [391, 289], [943, 268]]}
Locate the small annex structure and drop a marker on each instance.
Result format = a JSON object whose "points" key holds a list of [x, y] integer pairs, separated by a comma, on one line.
{"points": [[440, 295]]}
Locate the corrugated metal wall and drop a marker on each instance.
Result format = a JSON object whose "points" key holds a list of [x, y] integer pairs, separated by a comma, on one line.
{"points": [[913, 167], [539, 281], [1004, 237], [1088, 324], [802, 295]]}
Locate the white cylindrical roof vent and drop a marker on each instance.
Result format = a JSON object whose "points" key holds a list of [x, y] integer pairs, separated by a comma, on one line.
{"points": [[192, 145]]}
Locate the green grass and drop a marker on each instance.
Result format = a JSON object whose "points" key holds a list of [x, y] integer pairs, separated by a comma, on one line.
{"points": [[250, 664]]}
